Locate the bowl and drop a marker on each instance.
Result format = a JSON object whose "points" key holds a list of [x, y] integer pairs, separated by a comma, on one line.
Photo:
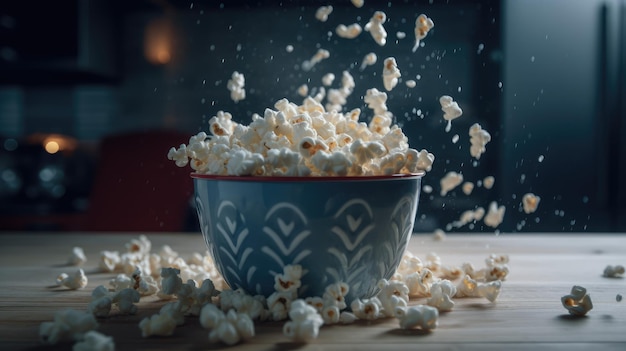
{"points": [[349, 229]]}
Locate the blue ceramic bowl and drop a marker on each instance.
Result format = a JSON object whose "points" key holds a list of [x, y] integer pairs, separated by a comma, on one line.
{"points": [[349, 229]]}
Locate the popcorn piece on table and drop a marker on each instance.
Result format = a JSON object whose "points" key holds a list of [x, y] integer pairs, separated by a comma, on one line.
{"points": [[530, 202], [613, 271], [101, 301], [121, 282], [392, 294], [478, 139], [229, 328], [469, 287], [323, 12], [391, 73], [170, 282], [439, 235], [141, 245], [423, 25], [578, 302], [162, 324], [419, 316], [495, 215], [451, 110], [67, 325], [348, 32], [304, 322], [367, 309], [368, 60], [376, 29], [441, 293], [77, 257], [289, 280], [125, 300], [450, 181], [78, 280], [236, 85], [279, 304], [419, 283], [145, 285], [335, 295], [94, 341]]}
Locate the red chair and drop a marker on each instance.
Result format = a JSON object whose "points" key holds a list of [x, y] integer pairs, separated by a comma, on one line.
{"points": [[137, 188]]}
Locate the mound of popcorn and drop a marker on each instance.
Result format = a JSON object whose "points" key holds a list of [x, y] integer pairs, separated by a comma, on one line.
{"points": [[304, 140]]}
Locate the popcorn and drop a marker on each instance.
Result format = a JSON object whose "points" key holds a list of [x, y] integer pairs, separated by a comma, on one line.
{"points": [[368, 309], [125, 300], [419, 316], [236, 85], [392, 294], [451, 110], [78, 280], [320, 55], [450, 181], [141, 245], [349, 32], [358, 3], [578, 302], [495, 215], [145, 285], [101, 301], [368, 60], [478, 138], [279, 303], [530, 202], [488, 182], [67, 325], [613, 271], [94, 341], [304, 324], [469, 216], [328, 79], [469, 287], [178, 155], [323, 12], [391, 73], [77, 257], [121, 282], [171, 282], [439, 235], [161, 324], [420, 283], [335, 295], [467, 188], [410, 83], [303, 91], [423, 25], [376, 29]]}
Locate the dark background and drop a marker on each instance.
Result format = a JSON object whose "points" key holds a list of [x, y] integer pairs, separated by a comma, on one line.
{"points": [[545, 78]]}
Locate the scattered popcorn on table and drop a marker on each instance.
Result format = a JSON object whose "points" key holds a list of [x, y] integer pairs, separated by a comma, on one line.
{"points": [[530, 202], [304, 323], [348, 32], [145, 285], [101, 302], [121, 282], [392, 294], [279, 303], [439, 235], [78, 280], [161, 324], [323, 12], [450, 181], [391, 73], [613, 271], [419, 316], [376, 29], [141, 245], [423, 25], [125, 301], [320, 55], [419, 283], [67, 325], [368, 60], [495, 215], [478, 138], [170, 282], [441, 293], [335, 295], [236, 85], [451, 110], [368, 309], [94, 341], [77, 257], [469, 287], [577, 302]]}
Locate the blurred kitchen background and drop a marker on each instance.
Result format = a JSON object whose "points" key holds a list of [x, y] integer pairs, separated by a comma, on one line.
{"points": [[93, 93]]}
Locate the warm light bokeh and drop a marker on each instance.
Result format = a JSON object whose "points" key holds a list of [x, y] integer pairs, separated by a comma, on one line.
{"points": [[158, 41]]}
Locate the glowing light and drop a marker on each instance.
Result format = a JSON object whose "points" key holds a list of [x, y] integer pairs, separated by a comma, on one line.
{"points": [[52, 147], [158, 42]]}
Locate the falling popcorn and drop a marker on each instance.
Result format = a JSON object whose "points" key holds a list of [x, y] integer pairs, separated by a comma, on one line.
{"points": [[235, 84], [391, 73], [530, 202], [488, 182], [478, 138], [495, 215], [368, 60], [376, 29], [328, 79], [467, 188], [423, 25], [451, 110], [348, 32], [319, 56], [323, 12], [450, 181], [358, 3]]}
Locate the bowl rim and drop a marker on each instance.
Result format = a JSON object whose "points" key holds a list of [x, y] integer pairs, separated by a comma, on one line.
{"points": [[249, 178]]}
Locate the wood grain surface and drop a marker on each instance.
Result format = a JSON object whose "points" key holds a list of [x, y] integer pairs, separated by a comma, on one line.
{"points": [[527, 315]]}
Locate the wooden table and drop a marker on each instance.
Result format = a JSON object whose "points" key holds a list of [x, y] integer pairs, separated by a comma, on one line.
{"points": [[528, 313]]}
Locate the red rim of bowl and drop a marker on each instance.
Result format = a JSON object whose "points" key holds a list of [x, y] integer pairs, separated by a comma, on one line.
{"points": [[305, 179]]}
